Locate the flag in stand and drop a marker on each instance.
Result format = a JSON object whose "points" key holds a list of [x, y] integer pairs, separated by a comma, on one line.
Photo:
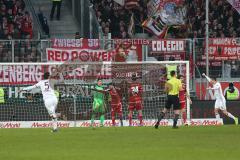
{"points": [[162, 14], [131, 26], [235, 4]]}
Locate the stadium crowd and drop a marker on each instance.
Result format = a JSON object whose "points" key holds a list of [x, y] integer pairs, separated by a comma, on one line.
{"points": [[223, 19], [115, 19], [16, 23]]}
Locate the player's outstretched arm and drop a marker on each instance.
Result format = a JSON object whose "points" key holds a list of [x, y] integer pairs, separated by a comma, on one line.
{"points": [[215, 87], [208, 78], [101, 91], [28, 88]]}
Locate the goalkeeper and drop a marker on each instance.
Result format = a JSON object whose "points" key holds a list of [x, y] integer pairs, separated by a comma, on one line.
{"points": [[98, 102]]}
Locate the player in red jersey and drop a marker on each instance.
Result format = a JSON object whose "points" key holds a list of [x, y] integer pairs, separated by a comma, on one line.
{"points": [[116, 105], [183, 95], [135, 99]]}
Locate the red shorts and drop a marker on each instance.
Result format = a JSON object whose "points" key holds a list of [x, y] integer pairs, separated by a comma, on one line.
{"points": [[135, 105], [116, 108], [183, 105]]}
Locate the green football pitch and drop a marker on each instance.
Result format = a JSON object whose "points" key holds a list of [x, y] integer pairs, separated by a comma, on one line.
{"points": [[126, 143]]}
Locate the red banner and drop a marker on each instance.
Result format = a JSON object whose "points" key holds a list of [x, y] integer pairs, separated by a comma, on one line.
{"points": [[223, 49], [123, 49], [79, 55]]}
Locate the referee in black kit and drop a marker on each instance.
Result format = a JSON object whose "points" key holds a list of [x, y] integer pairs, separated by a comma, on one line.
{"points": [[172, 88]]}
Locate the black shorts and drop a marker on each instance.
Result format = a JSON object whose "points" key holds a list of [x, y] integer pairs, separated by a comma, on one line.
{"points": [[172, 100]]}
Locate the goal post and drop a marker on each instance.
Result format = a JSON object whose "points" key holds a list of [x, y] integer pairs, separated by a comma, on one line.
{"points": [[75, 101]]}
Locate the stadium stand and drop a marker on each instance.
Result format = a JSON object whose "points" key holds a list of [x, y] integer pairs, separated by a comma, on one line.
{"points": [[16, 21], [220, 12], [115, 18]]}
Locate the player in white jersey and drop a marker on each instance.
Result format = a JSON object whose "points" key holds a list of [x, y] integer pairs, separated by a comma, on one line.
{"points": [[220, 103], [50, 99]]}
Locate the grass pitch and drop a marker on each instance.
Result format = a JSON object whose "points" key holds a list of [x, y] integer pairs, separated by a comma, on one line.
{"points": [[127, 143]]}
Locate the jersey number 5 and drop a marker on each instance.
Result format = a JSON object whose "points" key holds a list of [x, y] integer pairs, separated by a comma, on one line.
{"points": [[46, 84]]}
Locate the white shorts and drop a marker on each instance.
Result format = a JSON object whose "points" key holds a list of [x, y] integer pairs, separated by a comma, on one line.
{"points": [[51, 105], [220, 104]]}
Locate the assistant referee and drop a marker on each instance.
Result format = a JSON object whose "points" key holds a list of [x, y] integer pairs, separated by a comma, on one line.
{"points": [[172, 88]]}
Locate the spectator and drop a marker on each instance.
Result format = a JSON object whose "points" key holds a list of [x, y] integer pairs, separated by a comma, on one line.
{"points": [[77, 35], [227, 70], [232, 93], [27, 25], [235, 67], [11, 19], [56, 3], [43, 21]]}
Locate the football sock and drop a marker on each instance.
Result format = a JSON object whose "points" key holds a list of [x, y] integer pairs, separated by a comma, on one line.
{"points": [[101, 119], [160, 117], [92, 119], [130, 120], [121, 119], [175, 120], [113, 118], [184, 117], [140, 119], [230, 115], [54, 122], [217, 115]]}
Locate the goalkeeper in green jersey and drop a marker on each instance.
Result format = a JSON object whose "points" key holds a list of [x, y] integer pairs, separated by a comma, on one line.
{"points": [[98, 102]]}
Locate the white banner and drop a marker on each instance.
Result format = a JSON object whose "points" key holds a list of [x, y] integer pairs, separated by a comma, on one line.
{"points": [[235, 4], [20, 74], [107, 123]]}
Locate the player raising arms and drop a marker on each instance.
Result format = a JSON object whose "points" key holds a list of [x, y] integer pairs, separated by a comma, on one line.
{"points": [[135, 100], [116, 105], [49, 97], [115, 100], [183, 95], [220, 103]]}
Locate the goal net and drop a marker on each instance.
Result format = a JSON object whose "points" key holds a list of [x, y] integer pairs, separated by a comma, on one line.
{"points": [[75, 94]]}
